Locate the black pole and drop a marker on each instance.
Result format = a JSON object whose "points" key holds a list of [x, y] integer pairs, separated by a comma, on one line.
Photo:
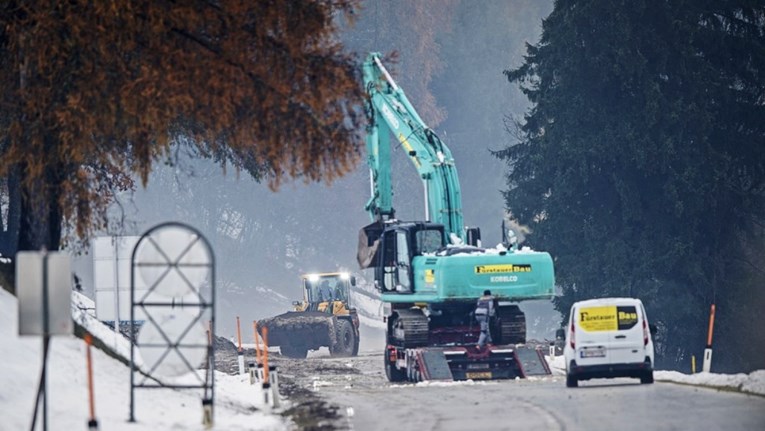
{"points": [[133, 337], [46, 340], [41, 385], [41, 389]]}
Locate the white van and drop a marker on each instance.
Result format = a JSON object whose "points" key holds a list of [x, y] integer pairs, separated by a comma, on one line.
{"points": [[606, 338]]}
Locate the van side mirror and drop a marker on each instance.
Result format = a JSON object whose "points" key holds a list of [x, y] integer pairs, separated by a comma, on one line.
{"points": [[560, 334], [653, 329]]}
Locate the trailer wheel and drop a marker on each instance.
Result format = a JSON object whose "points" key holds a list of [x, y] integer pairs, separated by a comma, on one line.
{"points": [[393, 374], [345, 339]]}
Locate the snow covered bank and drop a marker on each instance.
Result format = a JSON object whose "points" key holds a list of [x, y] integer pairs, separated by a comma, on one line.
{"points": [[753, 383], [557, 365], [237, 407]]}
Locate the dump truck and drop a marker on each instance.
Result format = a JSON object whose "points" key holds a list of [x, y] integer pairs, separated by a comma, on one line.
{"points": [[324, 318]]}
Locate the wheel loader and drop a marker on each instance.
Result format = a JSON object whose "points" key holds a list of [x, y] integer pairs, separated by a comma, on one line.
{"points": [[324, 318]]}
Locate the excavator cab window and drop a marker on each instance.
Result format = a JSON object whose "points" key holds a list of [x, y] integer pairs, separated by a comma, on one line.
{"points": [[395, 273], [429, 240], [387, 267], [403, 265]]}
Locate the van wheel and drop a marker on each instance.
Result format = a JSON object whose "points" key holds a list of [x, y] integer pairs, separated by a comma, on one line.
{"points": [[647, 378], [571, 381]]}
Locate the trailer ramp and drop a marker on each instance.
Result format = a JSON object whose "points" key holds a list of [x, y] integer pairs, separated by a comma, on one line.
{"points": [[532, 362], [433, 365]]}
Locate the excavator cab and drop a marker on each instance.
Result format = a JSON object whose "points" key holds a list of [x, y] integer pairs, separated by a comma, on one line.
{"points": [[396, 246]]}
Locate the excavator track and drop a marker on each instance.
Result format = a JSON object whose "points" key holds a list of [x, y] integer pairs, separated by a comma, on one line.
{"points": [[512, 324], [409, 328]]}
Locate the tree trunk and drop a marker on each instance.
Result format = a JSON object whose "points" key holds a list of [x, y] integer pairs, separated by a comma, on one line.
{"points": [[40, 221], [9, 233]]}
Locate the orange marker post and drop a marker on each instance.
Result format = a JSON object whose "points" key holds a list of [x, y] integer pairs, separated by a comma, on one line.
{"points": [[257, 341], [265, 354], [707, 365], [267, 390], [239, 334], [711, 326], [92, 422], [240, 352]]}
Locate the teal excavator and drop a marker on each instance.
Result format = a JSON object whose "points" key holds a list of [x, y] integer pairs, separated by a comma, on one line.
{"points": [[431, 272]]}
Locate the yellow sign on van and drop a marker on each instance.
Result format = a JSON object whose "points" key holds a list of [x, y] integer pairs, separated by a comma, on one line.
{"points": [[593, 319]]}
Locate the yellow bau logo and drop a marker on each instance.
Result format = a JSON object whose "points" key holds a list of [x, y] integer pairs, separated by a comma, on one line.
{"points": [[494, 269]]}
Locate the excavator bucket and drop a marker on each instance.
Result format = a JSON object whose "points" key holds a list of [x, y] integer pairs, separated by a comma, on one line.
{"points": [[369, 242]]}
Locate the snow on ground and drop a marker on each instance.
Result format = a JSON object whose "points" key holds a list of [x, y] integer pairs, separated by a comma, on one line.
{"points": [[83, 312], [238, 405], [753, 383], [557, 365]]}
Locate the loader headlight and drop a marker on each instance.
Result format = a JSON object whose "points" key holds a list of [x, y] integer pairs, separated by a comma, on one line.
{"points": [[345, 276], [313, 278]]}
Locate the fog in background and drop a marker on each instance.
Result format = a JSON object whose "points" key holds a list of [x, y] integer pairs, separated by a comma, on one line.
{"points": [[264, 240]]}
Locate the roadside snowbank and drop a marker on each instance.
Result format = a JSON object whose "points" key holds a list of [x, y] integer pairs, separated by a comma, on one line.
{"points": [[238, 405], [753, 383], [557, 365]]}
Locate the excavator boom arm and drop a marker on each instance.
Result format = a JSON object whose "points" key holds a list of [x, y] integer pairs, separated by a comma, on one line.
{"points": [[391, 113]]}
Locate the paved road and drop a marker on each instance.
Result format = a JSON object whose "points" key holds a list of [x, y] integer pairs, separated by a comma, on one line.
{"points": [[362, 399]]}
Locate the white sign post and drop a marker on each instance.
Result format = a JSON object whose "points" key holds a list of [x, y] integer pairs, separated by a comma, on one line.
{"points": [[44, 289]]}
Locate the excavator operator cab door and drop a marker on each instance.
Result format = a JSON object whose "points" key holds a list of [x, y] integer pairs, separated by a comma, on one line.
{"points": [[394, 275]]}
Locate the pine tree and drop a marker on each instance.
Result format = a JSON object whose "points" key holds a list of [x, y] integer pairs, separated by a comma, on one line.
{"points": [[643, 157]]}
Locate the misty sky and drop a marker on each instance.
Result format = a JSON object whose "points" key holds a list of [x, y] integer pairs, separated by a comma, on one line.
{"points": [[266, 239]]}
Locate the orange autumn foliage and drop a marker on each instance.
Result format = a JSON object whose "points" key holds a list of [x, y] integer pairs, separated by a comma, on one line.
{"points": [[96, 91]]}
